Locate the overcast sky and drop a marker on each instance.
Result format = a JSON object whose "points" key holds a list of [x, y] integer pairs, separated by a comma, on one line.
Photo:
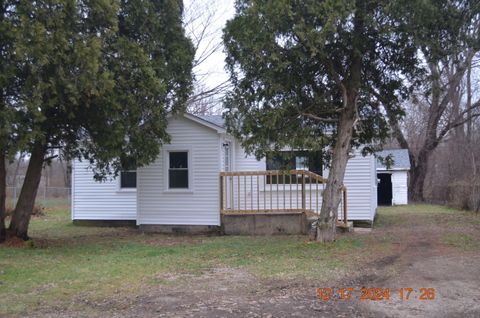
{"points": [[209, 16]]}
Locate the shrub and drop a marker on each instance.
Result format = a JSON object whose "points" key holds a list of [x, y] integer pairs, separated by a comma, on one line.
{"points": [[465, 195]]}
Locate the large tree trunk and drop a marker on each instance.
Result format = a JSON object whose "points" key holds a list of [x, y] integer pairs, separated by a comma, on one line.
{"points": [[418, 173], [326, 223], [3, 196], [332, 195], [26, 200]]}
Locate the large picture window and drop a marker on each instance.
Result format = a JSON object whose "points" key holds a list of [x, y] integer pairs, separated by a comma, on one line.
{"points": [[297, 160], [128, 179], [178, 170]]}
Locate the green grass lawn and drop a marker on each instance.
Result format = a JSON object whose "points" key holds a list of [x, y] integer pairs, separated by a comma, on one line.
{"points": [[401, 214], [419, 209], [65, 261]]}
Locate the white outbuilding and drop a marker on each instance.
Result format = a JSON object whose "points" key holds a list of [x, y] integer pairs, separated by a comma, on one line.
{"points": [[393, 181]]}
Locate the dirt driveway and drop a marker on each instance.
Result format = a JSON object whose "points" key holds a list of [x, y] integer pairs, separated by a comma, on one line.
{"points": [[424, 250]]}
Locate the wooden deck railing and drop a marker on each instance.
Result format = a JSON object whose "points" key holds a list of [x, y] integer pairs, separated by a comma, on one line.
{"points": [[274, 191]]}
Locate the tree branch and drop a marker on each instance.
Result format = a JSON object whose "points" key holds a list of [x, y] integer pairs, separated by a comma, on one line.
{"points": [[460, 120], [49, 158], [322, 119]]}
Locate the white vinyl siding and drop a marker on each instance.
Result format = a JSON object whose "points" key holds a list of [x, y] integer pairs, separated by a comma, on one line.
{"points": [[374, 194], [244, 162], [361, 183], [360, 180], [93, 200], [198, 205]]}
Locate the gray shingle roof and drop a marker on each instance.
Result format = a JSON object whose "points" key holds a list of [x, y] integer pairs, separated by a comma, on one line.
{"points": [[400, 158], [213, 119]]}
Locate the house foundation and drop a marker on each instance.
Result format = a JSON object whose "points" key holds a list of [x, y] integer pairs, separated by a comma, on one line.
{"points": [[265, 224], [180, 229]]}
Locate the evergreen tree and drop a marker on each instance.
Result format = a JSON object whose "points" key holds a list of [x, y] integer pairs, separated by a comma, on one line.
{"points": [[12, 119], [314, 74], [99, 79]]}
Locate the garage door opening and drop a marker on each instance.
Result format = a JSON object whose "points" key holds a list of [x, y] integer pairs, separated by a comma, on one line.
{"points": [[384, 189]]}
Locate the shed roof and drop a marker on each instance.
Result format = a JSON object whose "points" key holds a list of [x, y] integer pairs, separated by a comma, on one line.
{"points": [[401, 160]]}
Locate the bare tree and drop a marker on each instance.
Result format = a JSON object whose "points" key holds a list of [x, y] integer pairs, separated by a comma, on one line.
{"points": [[204, 21], [435, 113], [448, 52]]}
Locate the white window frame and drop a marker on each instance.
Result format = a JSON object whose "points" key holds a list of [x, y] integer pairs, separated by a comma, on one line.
{"points": [[119, 182], [166, 168]]}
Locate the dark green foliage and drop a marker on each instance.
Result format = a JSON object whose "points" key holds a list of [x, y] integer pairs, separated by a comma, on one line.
{"points": [[442, 27], [89, 79], [291, 63], [151, 61], [99, 77], [12, 121]]}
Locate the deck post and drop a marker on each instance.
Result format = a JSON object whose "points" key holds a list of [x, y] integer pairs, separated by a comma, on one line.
{"points": [[221, 193], [345, 206], [304, 197]]}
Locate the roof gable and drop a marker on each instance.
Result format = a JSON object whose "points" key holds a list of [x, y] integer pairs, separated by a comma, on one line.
{"points": [[214, 119], [212, 123]]}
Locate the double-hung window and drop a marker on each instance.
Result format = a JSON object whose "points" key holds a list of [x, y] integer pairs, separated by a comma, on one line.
{"points": [[296, 160], [128, 179], [178, 166]]}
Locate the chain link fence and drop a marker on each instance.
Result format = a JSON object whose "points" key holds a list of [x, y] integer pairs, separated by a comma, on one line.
{"points": [[46, 196]]}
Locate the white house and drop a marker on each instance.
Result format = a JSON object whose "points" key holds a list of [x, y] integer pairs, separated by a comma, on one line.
{"points": [[393, 181], [182, 188]]}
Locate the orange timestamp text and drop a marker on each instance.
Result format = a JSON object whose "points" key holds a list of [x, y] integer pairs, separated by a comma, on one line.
{"points": [[375, 293]]}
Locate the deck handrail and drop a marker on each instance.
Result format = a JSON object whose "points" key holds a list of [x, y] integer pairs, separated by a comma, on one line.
{"points": [[270, 191], [274, 172]]}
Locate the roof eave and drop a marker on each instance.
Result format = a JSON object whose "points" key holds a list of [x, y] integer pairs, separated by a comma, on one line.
{"points": [[198, 120]]}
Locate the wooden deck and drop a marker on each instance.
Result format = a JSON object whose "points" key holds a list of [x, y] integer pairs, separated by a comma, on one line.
{"points": [[274, 192]]}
